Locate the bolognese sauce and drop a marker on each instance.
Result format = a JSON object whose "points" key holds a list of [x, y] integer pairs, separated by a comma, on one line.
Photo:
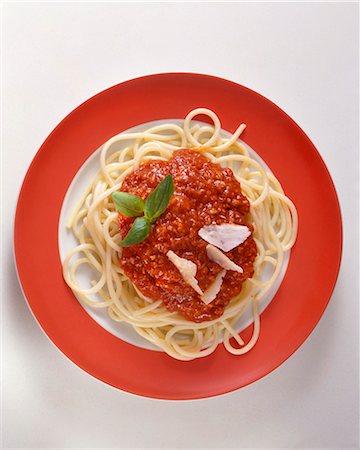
{"points": [[205, 193]]}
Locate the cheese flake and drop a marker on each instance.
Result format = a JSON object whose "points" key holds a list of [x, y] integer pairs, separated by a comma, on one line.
{"points": [[213, 290], [225, 236], [222, 260], [187, 270]]}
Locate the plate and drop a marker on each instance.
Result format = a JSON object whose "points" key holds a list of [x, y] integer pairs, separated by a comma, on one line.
{"points": [[305, 289]]}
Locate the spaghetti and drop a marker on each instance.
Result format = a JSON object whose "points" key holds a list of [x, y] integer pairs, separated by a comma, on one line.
{"points": [[94, 223]]}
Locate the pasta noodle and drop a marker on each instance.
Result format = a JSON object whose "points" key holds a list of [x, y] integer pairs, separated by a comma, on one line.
{"points": [[94, 224]]}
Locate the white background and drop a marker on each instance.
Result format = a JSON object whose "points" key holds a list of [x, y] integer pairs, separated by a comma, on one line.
{"points": [[303, 57]]}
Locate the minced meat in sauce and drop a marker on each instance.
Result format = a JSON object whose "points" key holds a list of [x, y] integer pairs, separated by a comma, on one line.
{"points": [[205, 193]]}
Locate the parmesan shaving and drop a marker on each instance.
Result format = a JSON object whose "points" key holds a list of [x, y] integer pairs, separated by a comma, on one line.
{"points": [[187, 270], [213, 290], [225, 236], [218, 257]]}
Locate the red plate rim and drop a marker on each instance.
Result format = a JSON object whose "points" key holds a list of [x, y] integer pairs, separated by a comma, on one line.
{"points": [[298, 304]]}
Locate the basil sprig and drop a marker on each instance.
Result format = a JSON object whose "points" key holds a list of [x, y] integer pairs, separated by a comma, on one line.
{"points": [[129, 205], [158, 199], [133, 206], [139, 231]]}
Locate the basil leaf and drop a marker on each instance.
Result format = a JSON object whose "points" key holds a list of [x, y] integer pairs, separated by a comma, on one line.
{"points": [[127, 204], [157, 201], [138, 232]]}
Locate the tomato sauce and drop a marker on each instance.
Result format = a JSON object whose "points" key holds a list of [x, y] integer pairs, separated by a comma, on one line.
{"points": [[205, 193]]}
